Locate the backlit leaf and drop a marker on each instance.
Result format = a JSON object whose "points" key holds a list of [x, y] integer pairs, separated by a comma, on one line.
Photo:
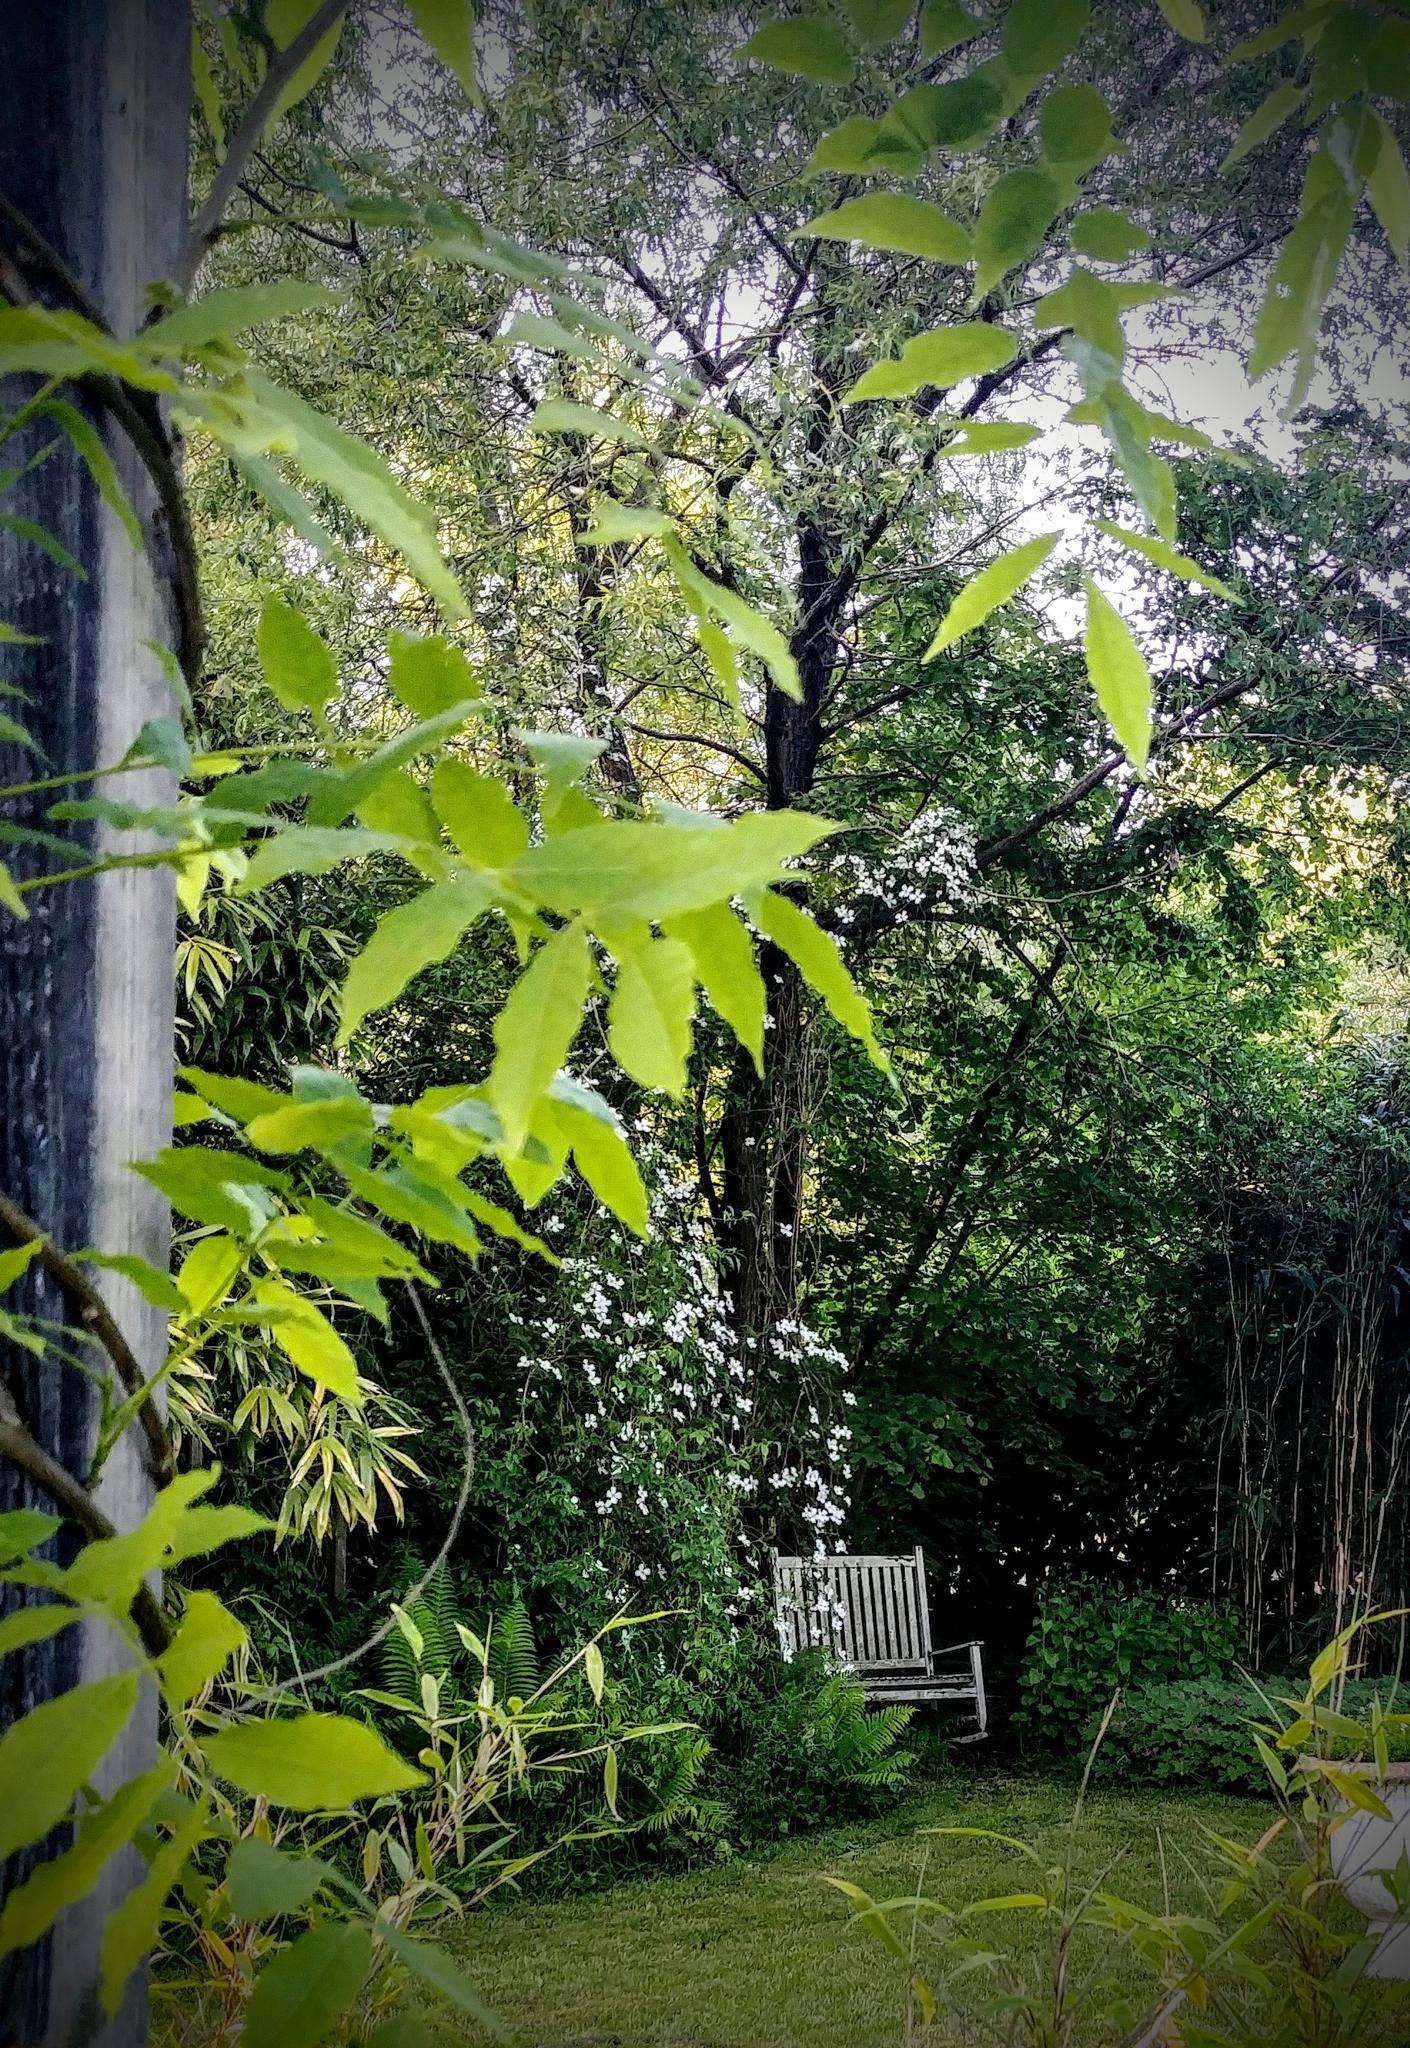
{"points": [[449, 28], [1165, 557], [945, 356], [539, 1021], [894, 220], [414, 936], [1281, 103], [479, 814], [1388, 187], [650, 1015], [1119, 675], [1107, 235], [1013, 222], [961, 114], [54, 1749], [1075, 127], [992, 587], [566, 416], [818, 958], [300, 1995], [309, 1341], [805, 46], [723, 953], [207, 1639], [310, 1763], [265, 1883], [627, 871], [1186, 17], [944, 25], [1038, 34], [427, 674], [32, 1907]]}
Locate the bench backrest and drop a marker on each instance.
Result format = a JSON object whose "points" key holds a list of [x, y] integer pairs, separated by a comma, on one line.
{"points": [[871, 1610]]}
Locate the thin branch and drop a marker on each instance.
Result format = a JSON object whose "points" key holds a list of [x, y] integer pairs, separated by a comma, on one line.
{"points": [[246, 140], [63, 1489], [695, 739], [98, 1319]]}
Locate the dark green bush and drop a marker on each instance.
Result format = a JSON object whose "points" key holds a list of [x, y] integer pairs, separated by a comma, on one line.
{"points": [[1194, 1731], [1090, 1641]]}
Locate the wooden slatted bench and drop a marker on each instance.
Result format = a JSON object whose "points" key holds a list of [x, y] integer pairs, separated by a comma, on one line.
{"points": [[874, 1615]]}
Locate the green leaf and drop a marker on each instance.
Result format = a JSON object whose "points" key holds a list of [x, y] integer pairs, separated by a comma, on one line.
{"points": [[603, 1158], [893, 220], [613, 522], [748, 625], [310, 1763], [10, 896], [54, 1749], [309, 1341], [151, 1283], [1038, 34], [321, 1123], [805, 46], [428, 675], [32, 1907], [414, 936], [650, 1015], [14, 1263], [718, 650], [23, 1530], [337, 796], [207, 1639], [298, 666], [408, 1195], [207, 95], [593, 1669], [284, 19], [1165, 557], [944, 25], [1281, 103], [539, 1021], [566, 416], [313, 850], [431, 1964], [405, 2031], [302, 1993], [480, 815], [207, 1272], [219, 315], [723, 953], [961, 114], [1388, 188], [1013, 221], [1075, 127], [1289, 320], [26, 1625], [265, 1883], [130, 1930], [878, 21], [631, 872], [449, 27], [1119, 675], [944, 357], [1186, 17], [1107, 235], [818, 958], [848, 148], [357, 475], [984, 593], [988, 437]]}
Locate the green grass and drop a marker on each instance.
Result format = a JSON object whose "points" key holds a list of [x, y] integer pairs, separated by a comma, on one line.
{"points": [[758, 1953]]}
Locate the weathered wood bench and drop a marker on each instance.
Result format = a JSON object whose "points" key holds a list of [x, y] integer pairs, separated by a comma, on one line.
{"points": [[873, 1614]]}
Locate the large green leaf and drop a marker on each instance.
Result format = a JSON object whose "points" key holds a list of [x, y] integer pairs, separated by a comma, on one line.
{"points": [[749, 626], [308, 1340], [1267, 117], [805, 46], [428, 674], [26, 1625], [1290, 318], [207, 1639], [353, 472], [944, 25], [538, 1023], [449, 28], [284, 19], [32, 1907], [265, 1883], [1038, 34], [602, 1155], [220, 315], [1075, 126], [1107, 235], [1119, 675], [54, 1749], [310, 1763], [479, 814], [131, 1928], [565, 416], [1017, 212], [984, 593], [626, 871], [653, 1005], [319, 1124], [818, 958], [1388, 188], [1186, 17], [945, 356], [304, 1991], [414, 936], [725, 966], [313, 850], [893, 220], [1165, 557], [961, 114]]}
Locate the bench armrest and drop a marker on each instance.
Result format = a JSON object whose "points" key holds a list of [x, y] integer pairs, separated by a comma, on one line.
{"points": [[946, 1648]]}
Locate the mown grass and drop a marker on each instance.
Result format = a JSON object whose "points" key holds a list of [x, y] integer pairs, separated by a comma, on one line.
{"points": [[758, 1953]]}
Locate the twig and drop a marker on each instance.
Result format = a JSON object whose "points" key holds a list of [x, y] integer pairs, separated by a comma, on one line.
{"points": [[63, 1489], [98, 1319], [246, 139]]}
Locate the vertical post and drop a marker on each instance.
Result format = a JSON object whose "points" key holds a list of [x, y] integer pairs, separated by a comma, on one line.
{"points": [[94, 108]]}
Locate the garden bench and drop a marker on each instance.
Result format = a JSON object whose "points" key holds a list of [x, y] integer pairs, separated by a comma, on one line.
{"points": [[873, 1613]]}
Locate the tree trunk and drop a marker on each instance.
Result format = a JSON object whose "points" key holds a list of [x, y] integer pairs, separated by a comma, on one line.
{"points": [[93, 144]]}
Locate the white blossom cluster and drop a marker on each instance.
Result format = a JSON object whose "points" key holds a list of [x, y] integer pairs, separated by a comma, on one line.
{"points": [[931, 861]]}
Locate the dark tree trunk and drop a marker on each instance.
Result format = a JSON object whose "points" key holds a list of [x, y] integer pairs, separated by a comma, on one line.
{"points": [[93, 142]]}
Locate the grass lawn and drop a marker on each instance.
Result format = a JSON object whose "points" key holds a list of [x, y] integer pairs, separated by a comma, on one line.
{"points": [[758, 1953]]}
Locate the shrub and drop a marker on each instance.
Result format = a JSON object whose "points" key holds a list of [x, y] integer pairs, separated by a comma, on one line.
{"points": [[1089, 1641], [1194, 1731]]}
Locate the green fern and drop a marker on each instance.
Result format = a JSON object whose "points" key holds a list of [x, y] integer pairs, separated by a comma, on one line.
{"points": [[860, 1740], [679, 1802], [513, 1654], [432, 1614]]}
